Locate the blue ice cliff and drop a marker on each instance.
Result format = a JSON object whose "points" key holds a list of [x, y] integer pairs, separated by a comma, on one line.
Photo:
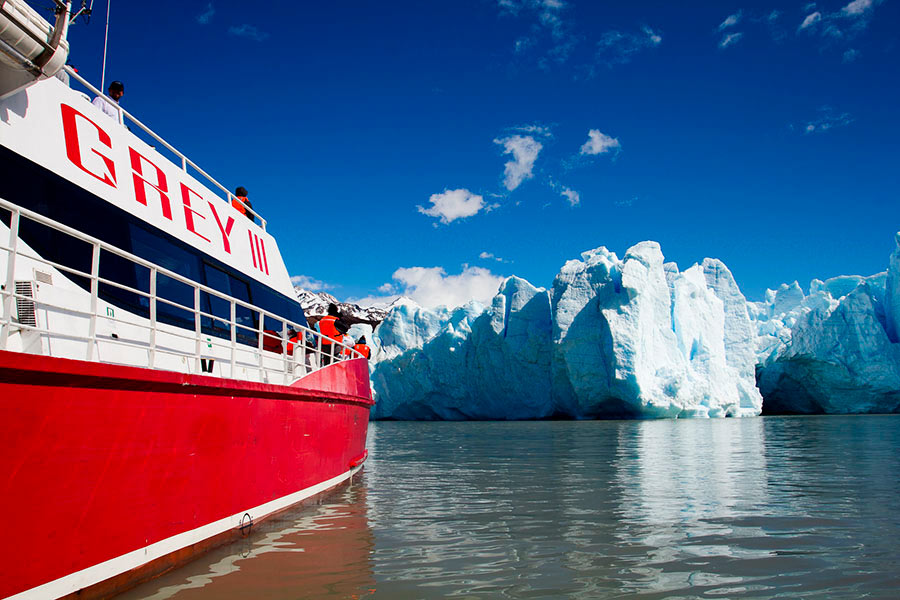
{"points": [[834, 350], [636, 337], [614, 337]]}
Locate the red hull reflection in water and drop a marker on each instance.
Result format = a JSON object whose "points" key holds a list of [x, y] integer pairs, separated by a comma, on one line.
{"points": [[317, 551]]}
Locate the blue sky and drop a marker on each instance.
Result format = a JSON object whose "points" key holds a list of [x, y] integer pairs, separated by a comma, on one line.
{"points": [[432, 147]]}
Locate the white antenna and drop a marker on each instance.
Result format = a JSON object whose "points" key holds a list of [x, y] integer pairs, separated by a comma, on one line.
{"points": [[105, 41]]}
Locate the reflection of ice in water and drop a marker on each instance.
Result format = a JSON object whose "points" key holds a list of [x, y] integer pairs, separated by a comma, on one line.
{"points": [[683, 482]]}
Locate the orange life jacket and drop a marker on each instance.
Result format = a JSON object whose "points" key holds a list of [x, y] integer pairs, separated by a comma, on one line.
{"points": [[272, 341], [326, 327], [295, 339], [362, 349], [236, 202]]}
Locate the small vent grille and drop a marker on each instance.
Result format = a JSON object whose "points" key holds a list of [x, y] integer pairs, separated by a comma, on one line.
{"points": [[25, 306], [43, 277]]}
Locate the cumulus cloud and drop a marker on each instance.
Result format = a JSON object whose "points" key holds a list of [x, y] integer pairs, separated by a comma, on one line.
{"points": [[616, 47], [524, 150], [828, 119], [730, 39], [540, 130], [310, 284], [857, 7], [572, 196], [549, 19], [810, 20], [450, 205], [205, 17], [843, 24], [249, 32], [851, 55], [599, 143], [730, 21], [432, 287]]}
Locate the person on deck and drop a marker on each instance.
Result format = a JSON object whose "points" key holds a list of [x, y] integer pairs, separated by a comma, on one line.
{"points": [[327, 326], [361, 347], [241, 203], [116, 91]]}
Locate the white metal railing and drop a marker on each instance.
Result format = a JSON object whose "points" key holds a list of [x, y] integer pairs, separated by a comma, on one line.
{"points": [[286, 355], [185, 161]]}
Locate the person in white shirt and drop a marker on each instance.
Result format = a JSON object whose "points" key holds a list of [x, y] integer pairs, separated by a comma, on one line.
{"points": [[116, 91]]}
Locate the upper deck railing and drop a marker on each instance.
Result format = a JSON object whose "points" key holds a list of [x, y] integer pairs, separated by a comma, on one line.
{"points": [[185, 161], [60, 316]]}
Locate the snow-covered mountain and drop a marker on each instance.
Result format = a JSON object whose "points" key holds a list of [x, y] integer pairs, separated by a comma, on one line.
{"points": [[316, 305], [637, 337]]}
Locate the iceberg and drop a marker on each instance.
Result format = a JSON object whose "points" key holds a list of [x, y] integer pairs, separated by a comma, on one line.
{"points": [[631, 337]]}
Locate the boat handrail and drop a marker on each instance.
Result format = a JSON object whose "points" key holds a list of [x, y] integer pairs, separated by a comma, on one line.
{"points": [[185, 161], [306, 347]]}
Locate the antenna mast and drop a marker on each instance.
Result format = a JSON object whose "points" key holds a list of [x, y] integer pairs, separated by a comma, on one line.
{"points": [[105, 42]]}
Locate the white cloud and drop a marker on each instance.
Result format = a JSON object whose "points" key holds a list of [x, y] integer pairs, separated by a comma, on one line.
{"points": [[310, 284], [599, 143], [541, 130], [857, 7], [248, 31], [810, 20], [851, 55], [525, 150], [432, 287], [616, 47], [730, 39], [572, 196], [730, 21], [206, 15], [828, 119], [491, 256], [453, 204]]}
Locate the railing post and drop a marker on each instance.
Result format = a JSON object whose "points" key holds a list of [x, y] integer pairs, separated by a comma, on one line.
{"points": [[197, 329], [153, 318], [233, 338], [284, 353], [10, 284], [95, 290], [301, 347], [259, 347]]}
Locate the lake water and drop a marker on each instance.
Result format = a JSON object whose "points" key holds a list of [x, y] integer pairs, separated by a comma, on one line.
{"points": [[773, 507]]}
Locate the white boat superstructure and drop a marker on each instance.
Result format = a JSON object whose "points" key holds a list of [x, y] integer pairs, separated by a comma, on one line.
{"points": [[30, 48]]}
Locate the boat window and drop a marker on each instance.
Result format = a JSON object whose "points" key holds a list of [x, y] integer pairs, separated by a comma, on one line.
{"points": [[58, 247], [219, 307], [173, 258]]}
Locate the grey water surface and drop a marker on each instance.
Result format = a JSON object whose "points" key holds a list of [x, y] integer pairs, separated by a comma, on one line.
{"points": [[773, 507]]}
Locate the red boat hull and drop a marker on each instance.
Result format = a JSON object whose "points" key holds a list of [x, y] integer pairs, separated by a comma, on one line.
{"points": [[108, 469]]}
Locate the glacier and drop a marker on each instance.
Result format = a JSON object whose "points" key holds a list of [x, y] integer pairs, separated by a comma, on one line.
{"points": [[630, 337], [638, 338], [833, 350]]}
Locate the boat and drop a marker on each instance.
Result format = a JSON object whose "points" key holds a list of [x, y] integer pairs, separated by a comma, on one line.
{"points": [[161, 387]]}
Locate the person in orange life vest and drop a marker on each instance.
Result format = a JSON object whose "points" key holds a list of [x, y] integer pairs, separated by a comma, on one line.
{"points": [[342, 329], [360, 346], [272, 341], [295, 339], [240, 196], [327, 326]]}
